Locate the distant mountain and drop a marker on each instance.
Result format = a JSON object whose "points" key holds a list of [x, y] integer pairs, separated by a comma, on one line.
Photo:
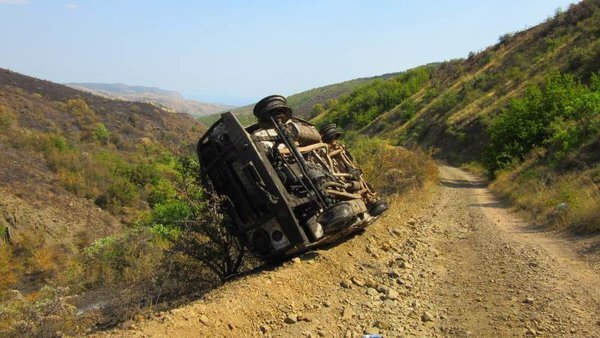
{"points": [[171, 100]]}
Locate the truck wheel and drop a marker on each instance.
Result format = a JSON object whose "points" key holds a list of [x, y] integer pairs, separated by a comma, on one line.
{"points": [[337, 218], [377, 208], [270, 106]]}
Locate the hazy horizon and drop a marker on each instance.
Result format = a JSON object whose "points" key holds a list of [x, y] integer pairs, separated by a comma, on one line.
{"points": [[236, 52]]}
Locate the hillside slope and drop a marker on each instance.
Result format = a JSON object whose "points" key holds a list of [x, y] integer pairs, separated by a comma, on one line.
{"points": [[452, 109], [168, 99], [303, 103], [68, 171], [526, 108]]}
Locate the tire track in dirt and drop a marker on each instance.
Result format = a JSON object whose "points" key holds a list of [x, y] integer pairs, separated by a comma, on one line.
{"points": [[511, 279]]}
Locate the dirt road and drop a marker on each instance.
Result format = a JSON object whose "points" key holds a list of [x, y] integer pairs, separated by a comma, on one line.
{"points": [[456, 263]]}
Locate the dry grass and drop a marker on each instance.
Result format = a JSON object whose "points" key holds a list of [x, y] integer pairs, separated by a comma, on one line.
{"points": [[7, 268], [7, 118], [393, 170], [47, 313], [560, 200], [476, 168]]}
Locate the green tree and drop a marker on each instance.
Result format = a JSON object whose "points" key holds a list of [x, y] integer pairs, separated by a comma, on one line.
{"points": [[559, 115]]}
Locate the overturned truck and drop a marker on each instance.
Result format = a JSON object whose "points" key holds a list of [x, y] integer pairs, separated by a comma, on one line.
{"points": [[287, 186]]}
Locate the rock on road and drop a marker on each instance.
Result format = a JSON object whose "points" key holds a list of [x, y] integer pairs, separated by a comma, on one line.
{"points": [[454, 263]]}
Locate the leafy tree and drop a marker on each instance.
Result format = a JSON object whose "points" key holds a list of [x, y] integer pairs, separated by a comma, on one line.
{"points": [[363, 105], [559, 115]]}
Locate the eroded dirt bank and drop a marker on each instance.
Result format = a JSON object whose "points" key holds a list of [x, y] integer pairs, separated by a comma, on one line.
{"points": [[459, 263]]}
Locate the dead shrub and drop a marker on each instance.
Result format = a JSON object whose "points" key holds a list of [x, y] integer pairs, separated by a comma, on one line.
{"points": [[393, 170], [48, 313], [563, 200], [208, 240], [120, 260]]}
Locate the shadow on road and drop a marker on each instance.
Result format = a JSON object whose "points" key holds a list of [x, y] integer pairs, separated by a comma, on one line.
{"points": [[462, 184], [498, 205], [592, 248]]}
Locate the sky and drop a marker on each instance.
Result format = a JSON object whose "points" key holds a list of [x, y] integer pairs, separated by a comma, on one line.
{"points": [[236, 52]]}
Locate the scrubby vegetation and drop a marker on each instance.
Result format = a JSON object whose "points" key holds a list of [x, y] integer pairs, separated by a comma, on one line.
{"points": [[360, 107], [560, 198], [130, 172], [46, 313], [534, 95], [173, 243], [560, 115], [392, 169], [544, 152]]}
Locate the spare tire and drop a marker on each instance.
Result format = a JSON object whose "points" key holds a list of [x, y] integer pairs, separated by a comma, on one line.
{"points": [[330, 133], [270, 106], [378, 207], [337, 217]]}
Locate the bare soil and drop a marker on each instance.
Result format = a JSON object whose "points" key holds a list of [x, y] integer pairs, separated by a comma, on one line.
{"points": [[457, 262]]}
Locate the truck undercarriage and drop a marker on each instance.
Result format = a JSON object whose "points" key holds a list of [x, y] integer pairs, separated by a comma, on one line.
{"points": [[288, 186]]}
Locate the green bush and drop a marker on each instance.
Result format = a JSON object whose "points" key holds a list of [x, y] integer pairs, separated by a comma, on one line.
{"points": [[123, 259], [60, 143], [161, 192], [164, 231], [409, 108], [366, 103], [100, 133], [179, 199], [445, 102], [121, 192], [143, 174], [172, 213], [560, 115]]}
